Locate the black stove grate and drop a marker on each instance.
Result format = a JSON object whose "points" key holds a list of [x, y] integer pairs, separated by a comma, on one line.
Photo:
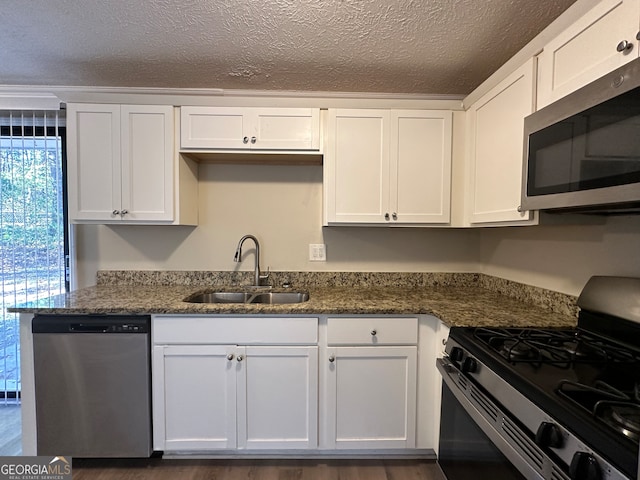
{"points": [[561, 348], [619, 410]]}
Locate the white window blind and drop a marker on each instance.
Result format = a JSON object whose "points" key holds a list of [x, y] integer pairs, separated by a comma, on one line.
{"points": [[32, 224]]}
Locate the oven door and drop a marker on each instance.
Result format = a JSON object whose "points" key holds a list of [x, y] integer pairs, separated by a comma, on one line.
{"points": [[479, 439], [466, 452]]}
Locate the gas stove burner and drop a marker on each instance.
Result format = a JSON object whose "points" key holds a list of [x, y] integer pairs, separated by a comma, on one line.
{"points": [[517, 350], [624, 417], [627, 416], [579, 350]]}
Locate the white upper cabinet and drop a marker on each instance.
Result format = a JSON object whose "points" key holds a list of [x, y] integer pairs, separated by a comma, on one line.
{"points": [[121, 164], [388, 167], [597, 43], [495, 150], [237, 128]]}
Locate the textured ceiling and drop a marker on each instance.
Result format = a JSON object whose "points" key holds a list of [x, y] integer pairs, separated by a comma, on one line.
{"points": [[397, 46]]}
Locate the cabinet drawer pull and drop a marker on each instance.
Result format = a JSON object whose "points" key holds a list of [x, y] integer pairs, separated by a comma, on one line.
{"points": [[624, 45], [245, 140], [230, 356], [374, 332], [394, 215], [240, 358], [332, 359], [253, 140], [386, 216], [124, 212], [116, 212]]}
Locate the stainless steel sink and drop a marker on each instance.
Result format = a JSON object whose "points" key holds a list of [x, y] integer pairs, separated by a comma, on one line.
{"points": [[274, 298]]}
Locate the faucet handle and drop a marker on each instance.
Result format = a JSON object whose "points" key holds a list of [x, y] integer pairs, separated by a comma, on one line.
{"points": [[264, 276]]}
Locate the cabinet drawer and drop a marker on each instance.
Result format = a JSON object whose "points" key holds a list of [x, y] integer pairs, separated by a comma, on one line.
{"points": [[372, 331], [204, 329]]}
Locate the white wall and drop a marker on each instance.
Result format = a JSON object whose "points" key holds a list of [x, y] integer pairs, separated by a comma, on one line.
{"points": [[282, 206], [562, 258]]}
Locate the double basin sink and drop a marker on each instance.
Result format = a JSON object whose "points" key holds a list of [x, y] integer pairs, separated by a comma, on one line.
{"points": [[259, 296]]}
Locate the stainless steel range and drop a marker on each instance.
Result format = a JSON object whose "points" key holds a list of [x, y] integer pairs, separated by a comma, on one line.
{"points": [[561, 404]]}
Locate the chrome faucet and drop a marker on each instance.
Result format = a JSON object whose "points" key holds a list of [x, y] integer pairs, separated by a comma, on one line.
{"points": [[258, 277]]}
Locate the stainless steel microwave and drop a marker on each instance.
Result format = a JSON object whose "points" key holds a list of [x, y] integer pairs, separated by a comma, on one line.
{"points": [[582, 152]]}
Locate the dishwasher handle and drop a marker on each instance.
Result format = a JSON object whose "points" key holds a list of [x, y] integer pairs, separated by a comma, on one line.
{"points": [[85, 324], [89, 328]]}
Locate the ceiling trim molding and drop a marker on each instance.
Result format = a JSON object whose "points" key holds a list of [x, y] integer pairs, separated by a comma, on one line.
{"points": [[20, 100], [221, 97]]}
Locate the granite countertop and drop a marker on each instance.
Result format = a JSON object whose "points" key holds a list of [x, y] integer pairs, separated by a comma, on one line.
{"points": [[467, 305]]}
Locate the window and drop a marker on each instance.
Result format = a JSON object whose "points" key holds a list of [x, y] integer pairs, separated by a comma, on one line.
{"points": [[33, 243]]}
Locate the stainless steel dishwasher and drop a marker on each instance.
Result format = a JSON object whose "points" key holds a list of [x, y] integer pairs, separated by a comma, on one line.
{"points": [[92, 385]]}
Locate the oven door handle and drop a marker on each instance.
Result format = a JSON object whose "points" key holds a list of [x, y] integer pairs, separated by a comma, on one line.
{"points": [[457, 382]]}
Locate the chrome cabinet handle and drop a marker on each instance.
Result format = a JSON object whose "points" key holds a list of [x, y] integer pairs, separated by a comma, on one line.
{"points": [[230, 357], [240, 358], [386, 216], [245, 140], [332, 359], [253, 140], [624, 45], [124, 212], [374, 332], [116, 212], [394, 215]]}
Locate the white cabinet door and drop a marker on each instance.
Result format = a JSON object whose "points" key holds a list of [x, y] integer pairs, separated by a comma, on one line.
{"points": [[194, 397], [388, 167], [121, 163], [237, 128], [147, 162], [213, 127], [588, 49], [420, 166], [371, 397], [285, 129], [278, 398], [496, 145], [357, 166], [94, 168]]}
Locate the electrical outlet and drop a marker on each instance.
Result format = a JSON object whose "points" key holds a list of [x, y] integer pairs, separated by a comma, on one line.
{"points": [[317, 252]]}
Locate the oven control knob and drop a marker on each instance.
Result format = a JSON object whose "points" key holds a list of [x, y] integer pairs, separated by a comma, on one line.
{"points": [[584, 466], [469, 365], [549, 435], [456, 354]]}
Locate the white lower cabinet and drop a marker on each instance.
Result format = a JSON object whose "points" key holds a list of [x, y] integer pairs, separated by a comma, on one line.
{"points": [[199, 397], [272, 385], [224, 397], [371, 390], [371, 397]]}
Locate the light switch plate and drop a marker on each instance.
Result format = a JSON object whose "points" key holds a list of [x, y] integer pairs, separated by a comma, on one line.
{"points": [[317, 252]]}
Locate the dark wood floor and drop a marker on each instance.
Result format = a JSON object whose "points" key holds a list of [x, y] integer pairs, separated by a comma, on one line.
{"points": [[10, 429], [184, 469]]}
